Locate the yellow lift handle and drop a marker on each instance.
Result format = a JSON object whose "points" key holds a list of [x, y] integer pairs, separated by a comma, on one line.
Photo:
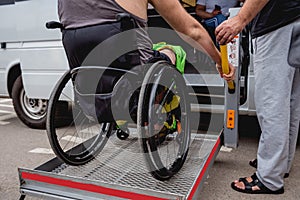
{"points": [[225, 66]]}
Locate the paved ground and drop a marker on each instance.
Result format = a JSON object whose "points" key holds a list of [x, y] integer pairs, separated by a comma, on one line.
{"points": [[18, 142], [229, 166]]}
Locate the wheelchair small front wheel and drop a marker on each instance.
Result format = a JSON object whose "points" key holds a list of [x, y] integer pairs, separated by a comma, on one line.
{"points": [[123, 134], [163, 120]]}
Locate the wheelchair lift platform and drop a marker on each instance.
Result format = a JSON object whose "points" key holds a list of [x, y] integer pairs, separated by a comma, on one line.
{"points": [[120, 172]]}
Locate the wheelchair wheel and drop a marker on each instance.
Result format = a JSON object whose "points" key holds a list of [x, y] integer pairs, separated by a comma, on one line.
{"points": [[163, 122], [82, 138]]}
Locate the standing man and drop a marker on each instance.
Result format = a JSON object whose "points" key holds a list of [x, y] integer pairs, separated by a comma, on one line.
{"points": [[277, 87]]}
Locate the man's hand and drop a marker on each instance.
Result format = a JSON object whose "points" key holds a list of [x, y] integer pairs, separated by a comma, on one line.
{"points": [[216, 12], [227, 77], [226, 31]]}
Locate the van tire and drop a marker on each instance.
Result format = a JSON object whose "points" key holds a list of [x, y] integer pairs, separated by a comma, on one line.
{"points": [[32, 112]]}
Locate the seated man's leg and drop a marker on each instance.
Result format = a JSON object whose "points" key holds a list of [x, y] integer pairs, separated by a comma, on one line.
{"points": [[175, 54], [171, 105], [170, 54]]}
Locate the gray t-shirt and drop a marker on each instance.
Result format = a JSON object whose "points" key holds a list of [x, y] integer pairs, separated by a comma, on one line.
{"points": [[76, 14], [82, 13]]}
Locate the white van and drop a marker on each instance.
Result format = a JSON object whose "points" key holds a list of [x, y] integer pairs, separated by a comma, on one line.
{"points": [[32, 59]]}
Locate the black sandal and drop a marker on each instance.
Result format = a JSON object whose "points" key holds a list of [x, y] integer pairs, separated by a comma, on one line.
{"points": [[253, 163], [255, 182]]}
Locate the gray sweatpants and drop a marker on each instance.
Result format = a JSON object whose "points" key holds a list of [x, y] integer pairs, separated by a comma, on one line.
{"points": [[277, 99]]}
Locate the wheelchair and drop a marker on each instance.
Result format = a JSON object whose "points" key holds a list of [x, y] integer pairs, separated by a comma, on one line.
{"points": [[154, 101]]}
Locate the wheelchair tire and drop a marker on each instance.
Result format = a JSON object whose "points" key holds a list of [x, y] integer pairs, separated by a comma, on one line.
{"points": [[81, 139], [165, 155]]}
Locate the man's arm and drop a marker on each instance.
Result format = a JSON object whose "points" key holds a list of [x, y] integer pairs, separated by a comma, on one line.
{"points": [[187, 26], [190, 30], [233, 26]]}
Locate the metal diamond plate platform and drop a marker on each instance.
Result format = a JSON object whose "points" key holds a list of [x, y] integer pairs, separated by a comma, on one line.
{"points": [[121, 166]]}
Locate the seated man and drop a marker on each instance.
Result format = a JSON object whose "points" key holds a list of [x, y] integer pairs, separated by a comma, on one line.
{"points": [[214, 12], [89, 23]]}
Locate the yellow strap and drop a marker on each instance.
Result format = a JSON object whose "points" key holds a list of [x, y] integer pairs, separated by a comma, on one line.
{"points": [[172, 105]]}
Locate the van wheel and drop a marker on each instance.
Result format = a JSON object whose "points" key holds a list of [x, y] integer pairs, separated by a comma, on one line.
{"points": [[32, 112]]}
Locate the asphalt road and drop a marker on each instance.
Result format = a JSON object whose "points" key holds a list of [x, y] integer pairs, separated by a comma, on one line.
{"points": [[230, 166], [18, 144], [28, 148]]}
